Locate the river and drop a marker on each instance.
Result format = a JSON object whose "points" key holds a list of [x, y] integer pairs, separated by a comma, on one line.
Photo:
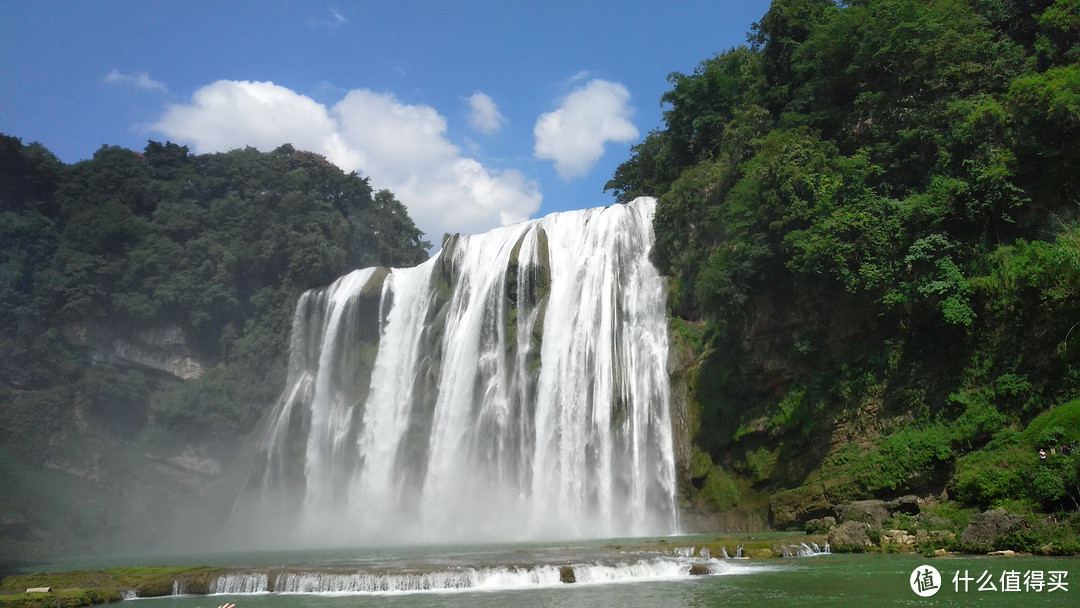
{"points": [[612, 574]]}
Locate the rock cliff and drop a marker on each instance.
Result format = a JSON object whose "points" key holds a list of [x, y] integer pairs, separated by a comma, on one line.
{"points": [[162, 348]]}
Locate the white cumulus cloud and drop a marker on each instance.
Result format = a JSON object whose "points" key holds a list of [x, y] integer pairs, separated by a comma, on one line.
{"points": [[484, 115], [230, 114], [574, 134], [399, 146], [139, 80]]}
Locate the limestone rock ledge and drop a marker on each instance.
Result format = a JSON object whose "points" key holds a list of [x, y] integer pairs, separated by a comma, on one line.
{"points": [[985, 528], [850, 534], [162, 348]]}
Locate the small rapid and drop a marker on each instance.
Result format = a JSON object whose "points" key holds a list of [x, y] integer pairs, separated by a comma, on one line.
{"points": [[493, 578]]}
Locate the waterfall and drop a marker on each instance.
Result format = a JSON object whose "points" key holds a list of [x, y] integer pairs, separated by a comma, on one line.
{"points": [[512, 387]]}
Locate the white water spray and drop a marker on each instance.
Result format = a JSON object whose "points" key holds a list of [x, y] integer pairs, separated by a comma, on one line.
{"points": [[512, 387]]}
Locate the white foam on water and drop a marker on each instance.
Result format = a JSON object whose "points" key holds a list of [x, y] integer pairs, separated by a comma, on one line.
{"points": [[478, 579]]}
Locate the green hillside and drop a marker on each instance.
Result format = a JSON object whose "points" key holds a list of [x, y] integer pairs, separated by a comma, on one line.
{"points": [[869, 220], [146, 300]]}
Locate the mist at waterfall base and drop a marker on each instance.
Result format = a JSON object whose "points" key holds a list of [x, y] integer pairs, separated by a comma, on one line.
{"points": [[512, 388]]}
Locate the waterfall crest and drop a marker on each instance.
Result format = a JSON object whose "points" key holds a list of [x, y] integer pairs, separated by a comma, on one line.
{"points": [[512, 387]]}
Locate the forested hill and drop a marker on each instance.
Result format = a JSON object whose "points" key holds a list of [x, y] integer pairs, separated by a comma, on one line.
{"points": [[213, 248], [869, 218], [146, 301]]}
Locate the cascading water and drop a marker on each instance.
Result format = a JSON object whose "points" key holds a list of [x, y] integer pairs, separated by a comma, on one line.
{"points": [[512, 387]]}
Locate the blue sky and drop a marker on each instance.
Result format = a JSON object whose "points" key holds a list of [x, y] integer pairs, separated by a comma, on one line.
{"points": [[474, 113]]}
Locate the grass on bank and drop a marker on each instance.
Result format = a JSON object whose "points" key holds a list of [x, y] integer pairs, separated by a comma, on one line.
{"points": [[88, 587], [64, 597]]}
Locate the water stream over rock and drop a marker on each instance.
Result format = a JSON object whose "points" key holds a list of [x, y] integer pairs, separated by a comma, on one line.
{"points": [[512, 387]]}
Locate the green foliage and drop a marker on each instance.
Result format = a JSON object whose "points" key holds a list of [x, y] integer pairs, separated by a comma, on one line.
{"points": [[647, 173], [873, 143], [1044, 535], [951, 514], [703, 105], [795, 412], [701, 463], [721, 489], [65, 598], [991, 475], [1008, 469], [218, 246], [1045, 119], [1048, 486], [855, 243], [85, 588], [904, 460], [978, 420], [868, 218], [118, 396], [29, 418], [1055, 427], [840, 461], [761, 462]]}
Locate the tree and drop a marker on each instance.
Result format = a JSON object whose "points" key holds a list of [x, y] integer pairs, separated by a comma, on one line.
{"points": [[219, 246]]}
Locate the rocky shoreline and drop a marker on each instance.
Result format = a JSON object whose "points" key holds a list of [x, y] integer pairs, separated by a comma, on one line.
{"points": [[912, 524]]}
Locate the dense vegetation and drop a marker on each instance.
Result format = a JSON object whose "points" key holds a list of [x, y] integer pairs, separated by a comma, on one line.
{"points": [[869, 218], [214, 247]]}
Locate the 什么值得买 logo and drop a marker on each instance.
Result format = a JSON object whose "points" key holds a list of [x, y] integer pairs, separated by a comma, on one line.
{"points": [[925, 581]]}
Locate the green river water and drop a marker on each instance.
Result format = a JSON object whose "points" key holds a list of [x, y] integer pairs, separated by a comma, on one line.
{"points": [[871, 580]]}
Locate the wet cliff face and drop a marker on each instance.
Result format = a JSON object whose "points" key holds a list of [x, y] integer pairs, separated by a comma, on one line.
{"points": [[89, 490], [682, 369], [85, 471], [735, 409]]}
